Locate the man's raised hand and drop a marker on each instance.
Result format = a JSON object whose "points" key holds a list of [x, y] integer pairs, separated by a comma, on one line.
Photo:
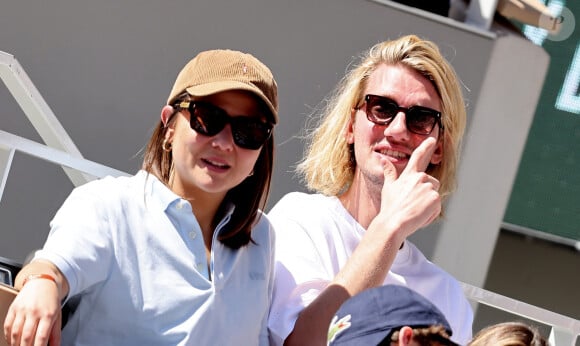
{"points": [[412, 200]]}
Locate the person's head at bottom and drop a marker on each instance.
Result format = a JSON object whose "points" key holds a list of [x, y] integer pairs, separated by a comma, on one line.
{"points": [[389, 315], [509, 334]]}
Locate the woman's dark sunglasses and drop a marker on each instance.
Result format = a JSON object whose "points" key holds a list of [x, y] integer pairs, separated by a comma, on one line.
{"points": [[248, 132], [420, 120]]}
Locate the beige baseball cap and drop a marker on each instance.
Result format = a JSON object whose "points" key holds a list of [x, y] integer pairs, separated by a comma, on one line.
{"points": [[214, 71]]}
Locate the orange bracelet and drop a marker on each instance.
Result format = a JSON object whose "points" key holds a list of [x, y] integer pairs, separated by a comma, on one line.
{"points": [[39, 276]]}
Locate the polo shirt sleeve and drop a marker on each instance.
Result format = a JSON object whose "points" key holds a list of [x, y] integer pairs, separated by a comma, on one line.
{"points": [[269, 237], [79, 242]]}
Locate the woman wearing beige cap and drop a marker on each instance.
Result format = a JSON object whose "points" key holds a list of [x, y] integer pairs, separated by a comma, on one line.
{"points": [[179, 253]]}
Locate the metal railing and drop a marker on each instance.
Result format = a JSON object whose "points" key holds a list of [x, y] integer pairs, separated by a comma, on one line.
{"points": [[564, 330], [59, 148]]}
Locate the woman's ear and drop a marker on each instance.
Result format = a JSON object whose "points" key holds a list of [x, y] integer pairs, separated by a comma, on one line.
{"points": [[166, 113]]}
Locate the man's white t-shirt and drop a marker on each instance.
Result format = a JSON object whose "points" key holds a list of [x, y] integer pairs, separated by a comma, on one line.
{"points": [[315, 236]]}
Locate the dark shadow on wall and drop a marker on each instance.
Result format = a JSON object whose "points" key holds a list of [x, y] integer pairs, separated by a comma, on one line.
{"points": [[440, 7]]}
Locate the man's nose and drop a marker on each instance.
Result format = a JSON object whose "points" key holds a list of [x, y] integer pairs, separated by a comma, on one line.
{"points": [[398, 126]]}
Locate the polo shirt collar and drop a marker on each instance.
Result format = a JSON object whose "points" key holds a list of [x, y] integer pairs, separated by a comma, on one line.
{"points": [[166, 197]]}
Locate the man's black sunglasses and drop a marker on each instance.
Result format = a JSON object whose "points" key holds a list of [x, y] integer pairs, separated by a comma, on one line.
{"points": [[420, 120], [248, 132]]}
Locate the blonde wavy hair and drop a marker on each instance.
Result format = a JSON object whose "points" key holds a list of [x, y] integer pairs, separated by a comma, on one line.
{"points": [[329, 164], [509, 334]]}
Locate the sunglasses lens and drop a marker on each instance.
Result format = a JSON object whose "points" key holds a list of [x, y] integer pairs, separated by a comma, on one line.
{"points": [[381, 111], [250, 133], [207, 119], [421, 120]]}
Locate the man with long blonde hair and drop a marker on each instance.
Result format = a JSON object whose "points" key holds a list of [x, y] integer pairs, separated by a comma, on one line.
{"points": [[382, 161]]}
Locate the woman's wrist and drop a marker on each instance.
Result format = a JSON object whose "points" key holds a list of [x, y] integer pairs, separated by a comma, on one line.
{"points": [[42, 276]]}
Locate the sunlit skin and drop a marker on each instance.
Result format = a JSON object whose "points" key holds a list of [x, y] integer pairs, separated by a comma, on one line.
{"points": [[207, 167], [376, 145], [385, 150]]}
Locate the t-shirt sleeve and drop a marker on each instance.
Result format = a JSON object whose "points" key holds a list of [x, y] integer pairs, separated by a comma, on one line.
{"points": [[300, 269], [463, 331]]}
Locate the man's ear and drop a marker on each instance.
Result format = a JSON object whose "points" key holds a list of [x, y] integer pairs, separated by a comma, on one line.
{"points": [[349, 131], [437, 156], [405, 336]]}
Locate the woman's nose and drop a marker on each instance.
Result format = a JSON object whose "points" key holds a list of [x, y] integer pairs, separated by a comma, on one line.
{"points": [[224, 139]]}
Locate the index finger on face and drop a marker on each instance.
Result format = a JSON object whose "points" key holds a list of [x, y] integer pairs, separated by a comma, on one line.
{"points": [[421, 156]]}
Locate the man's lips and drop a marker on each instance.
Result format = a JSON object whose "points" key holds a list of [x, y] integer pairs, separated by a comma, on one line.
{"points": [[393, 153]]}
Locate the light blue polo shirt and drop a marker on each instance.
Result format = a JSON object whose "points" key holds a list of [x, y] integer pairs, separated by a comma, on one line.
{"points": [[133, 252]]}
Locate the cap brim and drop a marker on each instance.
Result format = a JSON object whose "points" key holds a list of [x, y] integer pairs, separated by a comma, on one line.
{"points": [[216, 87]]}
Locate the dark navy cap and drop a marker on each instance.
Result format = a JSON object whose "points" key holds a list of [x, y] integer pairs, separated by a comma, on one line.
{"points": [[375, 314]]}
